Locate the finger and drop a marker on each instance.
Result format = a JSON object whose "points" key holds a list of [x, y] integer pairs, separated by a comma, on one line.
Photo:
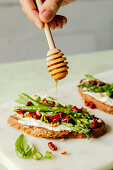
{"points": [[52, 24], [30, 9], [49, 9], [59, 22], [61, 18]]}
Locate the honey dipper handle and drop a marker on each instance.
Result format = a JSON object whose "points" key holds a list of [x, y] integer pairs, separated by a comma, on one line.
{"points": [[47, 29]]}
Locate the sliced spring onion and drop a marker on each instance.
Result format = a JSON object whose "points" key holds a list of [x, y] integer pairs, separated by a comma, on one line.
{"points": [[48, 155], [38, 156]]}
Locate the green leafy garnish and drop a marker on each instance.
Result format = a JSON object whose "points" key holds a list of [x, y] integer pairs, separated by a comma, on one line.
{"points": [[23, 148], [38, 156], [50, 102], [48, 154]]}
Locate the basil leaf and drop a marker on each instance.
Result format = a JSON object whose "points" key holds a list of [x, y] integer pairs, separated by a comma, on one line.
{"points": [[23, 148]]}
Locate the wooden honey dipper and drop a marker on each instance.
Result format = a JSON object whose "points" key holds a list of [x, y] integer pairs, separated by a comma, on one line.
{"points": [[57, 65]]}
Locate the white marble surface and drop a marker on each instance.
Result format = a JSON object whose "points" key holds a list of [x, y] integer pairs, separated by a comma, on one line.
{"points": [[82, 154], [89, 28]]}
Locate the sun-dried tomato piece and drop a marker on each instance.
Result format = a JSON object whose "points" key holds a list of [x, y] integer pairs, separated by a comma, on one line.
{"points": [[45, 100], [100, 83], [35, 116], [90, 104], [52, 146], [56, 118], [30, 114], [29, 103], [50, 105], [74, 108], [20, 111], [65, 107], [66, 119], [95, 124], [82, 110], [93, 82]]}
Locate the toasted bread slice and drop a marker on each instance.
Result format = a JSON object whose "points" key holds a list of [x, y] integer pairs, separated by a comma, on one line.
{"points": [[99, 105], [49, 134]]}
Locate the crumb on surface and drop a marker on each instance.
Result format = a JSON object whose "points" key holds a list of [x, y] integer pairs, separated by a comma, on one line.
{"points": [[64, 153]]}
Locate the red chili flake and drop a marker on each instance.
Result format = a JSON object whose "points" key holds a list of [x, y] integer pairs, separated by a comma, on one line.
{"points": [[66, 119], [29, 103], [20, 111], [52, 146]]}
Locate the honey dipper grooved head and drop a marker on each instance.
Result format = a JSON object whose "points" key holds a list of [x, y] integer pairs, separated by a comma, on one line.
{"points": [[57, 66]]}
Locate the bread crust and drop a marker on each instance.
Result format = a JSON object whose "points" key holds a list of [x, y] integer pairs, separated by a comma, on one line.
{"points": [[49, 134], [99, 105]]}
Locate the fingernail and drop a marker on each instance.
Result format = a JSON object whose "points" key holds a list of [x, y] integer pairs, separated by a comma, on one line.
{"points": [[46, 15]]}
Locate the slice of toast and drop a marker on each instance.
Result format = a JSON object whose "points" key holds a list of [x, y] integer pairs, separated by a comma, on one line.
{"points": [[50, 134], [48, 119], [99, 105]]}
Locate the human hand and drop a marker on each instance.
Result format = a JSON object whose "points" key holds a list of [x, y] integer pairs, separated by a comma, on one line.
{"points": [[47, 13]]}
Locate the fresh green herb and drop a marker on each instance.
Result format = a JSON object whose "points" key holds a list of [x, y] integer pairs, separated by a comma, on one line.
{"points": [[58, 105], [21, 101], [79, 127], [43, 118], [69, 106], [50, 102], [49, 113], [38, 156], [88, 135], [48, 155], [90, 77], [38, 99], [51, 97], [23, 148]]}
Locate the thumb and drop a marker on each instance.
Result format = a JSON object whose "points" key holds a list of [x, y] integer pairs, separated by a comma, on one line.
{"points": [[49, 9]]}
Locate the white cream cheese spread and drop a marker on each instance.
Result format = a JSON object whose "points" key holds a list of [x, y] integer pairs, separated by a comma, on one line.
{"points": [[102, 97], [37, 123]]}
